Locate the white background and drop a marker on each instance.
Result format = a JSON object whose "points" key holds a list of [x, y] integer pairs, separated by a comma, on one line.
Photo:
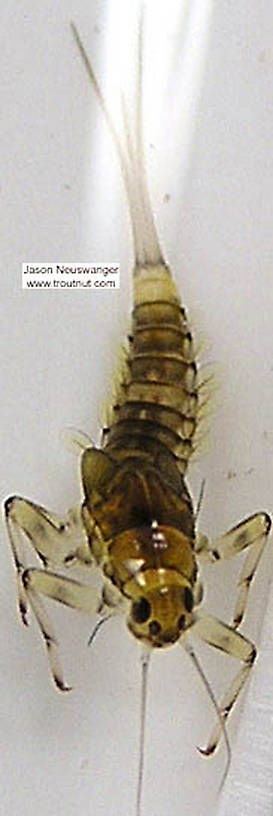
{"points": [[209, 156]]}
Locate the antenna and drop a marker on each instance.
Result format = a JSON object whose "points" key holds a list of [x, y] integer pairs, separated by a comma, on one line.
{"points": [[145, 660]]}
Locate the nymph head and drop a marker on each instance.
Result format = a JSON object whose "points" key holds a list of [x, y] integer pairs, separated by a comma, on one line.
{"points": [[160, 614]]}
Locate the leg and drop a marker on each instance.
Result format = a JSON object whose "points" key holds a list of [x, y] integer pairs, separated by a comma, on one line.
{"points": [[252, 532], [224, 637], [56, 543], [65, 590]]}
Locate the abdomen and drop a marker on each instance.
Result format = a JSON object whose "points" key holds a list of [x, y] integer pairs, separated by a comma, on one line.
{"points": [[157, 411]]}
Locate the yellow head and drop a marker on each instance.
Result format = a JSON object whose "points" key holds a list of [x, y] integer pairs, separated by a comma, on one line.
{"points": [[161, 613]]}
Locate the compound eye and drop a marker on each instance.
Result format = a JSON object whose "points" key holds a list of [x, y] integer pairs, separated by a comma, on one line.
{"points": [[141, 610], [188, 599]]}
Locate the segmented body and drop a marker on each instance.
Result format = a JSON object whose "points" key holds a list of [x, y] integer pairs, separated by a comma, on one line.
{"points": [[159, 407], [137, 519], [145, 514]]}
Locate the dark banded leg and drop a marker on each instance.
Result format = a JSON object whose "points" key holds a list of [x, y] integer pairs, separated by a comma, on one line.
{"points": [[57, 543], [224, 637], [67, 591], [251, 532]]}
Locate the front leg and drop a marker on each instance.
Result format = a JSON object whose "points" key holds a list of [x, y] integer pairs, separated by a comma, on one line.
{"points": [[57, 543], [223, 637], [67, 591]]}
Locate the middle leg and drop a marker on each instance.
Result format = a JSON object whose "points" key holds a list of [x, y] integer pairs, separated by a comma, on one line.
{"points": [[250, 533]]}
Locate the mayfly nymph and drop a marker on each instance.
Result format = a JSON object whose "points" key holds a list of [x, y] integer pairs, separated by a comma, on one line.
{"points": [[137, 521]]}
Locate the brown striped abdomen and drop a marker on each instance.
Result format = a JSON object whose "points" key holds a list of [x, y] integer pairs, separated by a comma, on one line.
{"points": [[157, 412]]}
